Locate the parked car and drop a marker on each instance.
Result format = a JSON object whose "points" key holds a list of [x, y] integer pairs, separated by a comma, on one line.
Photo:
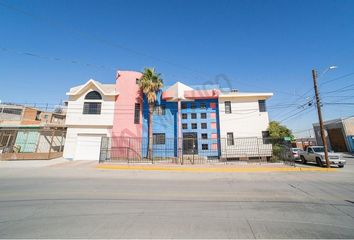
{"points": [[315, 154], [296, 153]]}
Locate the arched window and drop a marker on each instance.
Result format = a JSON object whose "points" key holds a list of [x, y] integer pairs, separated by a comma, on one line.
{"points": [[93, 95], [92, 107]]}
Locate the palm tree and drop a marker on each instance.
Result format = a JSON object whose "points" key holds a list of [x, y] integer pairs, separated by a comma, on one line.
{"points": [[150, 83]]}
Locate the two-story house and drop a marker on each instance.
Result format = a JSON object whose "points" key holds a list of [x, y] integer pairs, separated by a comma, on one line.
{"points": [[90, 114]]}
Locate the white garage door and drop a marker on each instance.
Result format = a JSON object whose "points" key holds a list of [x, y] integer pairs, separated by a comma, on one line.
{"points": [[88, 147]]}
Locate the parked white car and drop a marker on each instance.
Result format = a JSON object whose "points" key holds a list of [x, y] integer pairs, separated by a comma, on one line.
{"points": [[296, 153], [315, 154]]}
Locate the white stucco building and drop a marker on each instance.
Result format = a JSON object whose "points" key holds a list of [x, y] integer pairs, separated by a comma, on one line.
{"points": [[90, 114], [243, 122]]}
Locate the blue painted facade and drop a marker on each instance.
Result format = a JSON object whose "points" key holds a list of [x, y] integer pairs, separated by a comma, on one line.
{"points": [[166, 124], [197, 110]]}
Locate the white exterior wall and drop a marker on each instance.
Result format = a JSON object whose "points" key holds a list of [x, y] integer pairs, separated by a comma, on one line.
{"points": [[87, 124], [245, 120], [72, 135], [246, 123], [74, 114]]}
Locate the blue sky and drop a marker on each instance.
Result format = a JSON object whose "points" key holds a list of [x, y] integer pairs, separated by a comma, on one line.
{"points": [[256, 45]]}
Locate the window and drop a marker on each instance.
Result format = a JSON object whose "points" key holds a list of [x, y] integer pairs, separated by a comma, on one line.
{"points": [[230, 139], [137, 81], [137, 113], [194, 126], [204, 126], [92, 108], [204, 136], [227, 107], [203, 115], [202, 106], [159, 110], [262, 106], [14, 111], [93, 95], [45, 116], [192, 105], [193, 115], [158, 138], [205, 146], [184, 106], [265, 136], [184, 116], [184, 125]]}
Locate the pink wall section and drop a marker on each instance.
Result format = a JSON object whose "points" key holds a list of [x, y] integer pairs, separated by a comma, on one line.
{"points": [[126, 134], [129, 94]]}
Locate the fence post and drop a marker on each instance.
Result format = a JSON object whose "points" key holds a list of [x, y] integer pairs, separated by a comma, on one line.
{"points": [[128, 149], [225, 141], [51, 144], [259, 155]]}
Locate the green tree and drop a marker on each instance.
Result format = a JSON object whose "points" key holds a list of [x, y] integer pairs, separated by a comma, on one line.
{"points": [[150, 83], [276, 130]]}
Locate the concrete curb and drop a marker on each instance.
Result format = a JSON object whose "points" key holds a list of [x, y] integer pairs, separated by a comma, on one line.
{"points": [[216, 169]]}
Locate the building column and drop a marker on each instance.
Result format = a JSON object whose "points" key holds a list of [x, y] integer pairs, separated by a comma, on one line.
{"points": [[179, 131]]}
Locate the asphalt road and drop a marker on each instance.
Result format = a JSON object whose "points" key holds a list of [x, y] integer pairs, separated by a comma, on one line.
{"points": [[66, 201]]}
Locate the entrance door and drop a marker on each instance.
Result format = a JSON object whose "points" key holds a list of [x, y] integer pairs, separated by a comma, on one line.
{"points": [[190, 143]]}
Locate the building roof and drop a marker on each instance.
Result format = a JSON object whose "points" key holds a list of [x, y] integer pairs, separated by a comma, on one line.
{"points": [[244, 94], [176, 92], [105, 89], [337, 120]]}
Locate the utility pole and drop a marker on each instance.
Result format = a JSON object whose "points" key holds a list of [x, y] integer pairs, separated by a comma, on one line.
{"points": [[324, 141]]}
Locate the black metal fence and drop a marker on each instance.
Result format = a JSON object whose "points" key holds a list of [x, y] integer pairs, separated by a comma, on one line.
{"points": [[195, 150]]}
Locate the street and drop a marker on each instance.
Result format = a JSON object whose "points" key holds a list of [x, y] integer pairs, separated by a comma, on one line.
{"points": [[80, 201]]}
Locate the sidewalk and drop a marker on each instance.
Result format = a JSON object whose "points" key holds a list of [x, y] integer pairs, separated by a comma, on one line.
{"points": [[215, 168]]}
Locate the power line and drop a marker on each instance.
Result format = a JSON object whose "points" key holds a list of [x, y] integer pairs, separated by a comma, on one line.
{"points": [[337, 78], [36, 55], [90, 36]]}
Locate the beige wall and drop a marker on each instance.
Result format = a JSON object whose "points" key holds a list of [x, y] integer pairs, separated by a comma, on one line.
{"points": [[245, 119], [74, 116]]}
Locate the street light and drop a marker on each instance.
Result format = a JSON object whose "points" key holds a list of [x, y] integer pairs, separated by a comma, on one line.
{"points": [[323, 137]]}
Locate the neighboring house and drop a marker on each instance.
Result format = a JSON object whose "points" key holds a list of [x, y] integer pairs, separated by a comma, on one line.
{"points": [[339, 134], [243, 122], [90, 114], [187, 120], [24, 133]]}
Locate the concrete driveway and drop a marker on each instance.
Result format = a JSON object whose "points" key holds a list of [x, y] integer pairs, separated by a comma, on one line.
{"points": [[76, 200]]}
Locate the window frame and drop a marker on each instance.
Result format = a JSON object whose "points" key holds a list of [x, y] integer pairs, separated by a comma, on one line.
{"points": [[203, 146], [228, 108], [93, 95], [203, 114], [184, 116], [230, 139], [202, 105], [87, 109], [194, 124], [193, 116], [155, 138], [137, 107], [203, 124], [184, 125], [262, 106], [204, 136]]}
